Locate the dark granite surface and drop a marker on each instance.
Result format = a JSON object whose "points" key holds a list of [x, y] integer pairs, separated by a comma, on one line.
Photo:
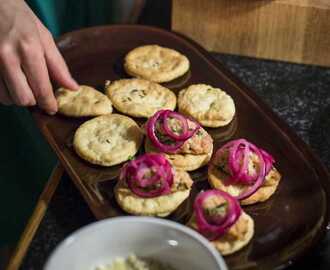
{"points": [[299, 94]]}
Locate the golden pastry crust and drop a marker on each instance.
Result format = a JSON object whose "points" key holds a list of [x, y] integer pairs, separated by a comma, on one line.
{"points": [[237, 237], [217, 179], [140, 98], [86, 101], [210, 106], [186, 162], [156, 63], [158, 206], [108, 140]]}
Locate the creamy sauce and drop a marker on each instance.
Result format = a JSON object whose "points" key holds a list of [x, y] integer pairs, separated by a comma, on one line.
{"points": [[134, 263]]}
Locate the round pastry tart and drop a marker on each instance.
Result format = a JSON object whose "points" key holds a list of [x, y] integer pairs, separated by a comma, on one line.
{"points": [[150, 186], [219, 217], [184, 142], [244, 171]]}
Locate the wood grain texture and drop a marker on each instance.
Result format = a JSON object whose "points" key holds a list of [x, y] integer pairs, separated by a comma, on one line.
{"points": [[291, 30], [34, 221]]}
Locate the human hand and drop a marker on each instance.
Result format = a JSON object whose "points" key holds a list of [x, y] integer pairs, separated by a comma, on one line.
{"points": [[29, 58]]}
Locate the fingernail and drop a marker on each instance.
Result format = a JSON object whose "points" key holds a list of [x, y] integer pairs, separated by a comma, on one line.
{"points": [[51, 113], [75, 82]]}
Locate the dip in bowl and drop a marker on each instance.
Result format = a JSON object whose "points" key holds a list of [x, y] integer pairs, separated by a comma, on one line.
{"points": [[167, 242]]}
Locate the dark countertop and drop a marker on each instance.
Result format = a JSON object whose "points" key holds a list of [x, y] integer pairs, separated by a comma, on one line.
{"points": [[299, 94]]}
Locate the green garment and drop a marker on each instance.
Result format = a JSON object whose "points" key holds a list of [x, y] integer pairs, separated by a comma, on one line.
{"points": [[26, 159], [67, 15]]}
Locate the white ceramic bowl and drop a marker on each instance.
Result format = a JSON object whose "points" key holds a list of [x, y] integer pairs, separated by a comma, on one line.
{"points": [[101, 242]]}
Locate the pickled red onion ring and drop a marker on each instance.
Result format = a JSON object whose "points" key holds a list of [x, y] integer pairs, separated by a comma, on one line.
{"points": [[150, 175], [161, 119], [214, 231], [183, 123], [238, 159], [260, 177], [151, 133], [269, 160]]}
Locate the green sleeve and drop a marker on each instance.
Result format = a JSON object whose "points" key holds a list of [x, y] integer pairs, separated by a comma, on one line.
{"points": [[61, 16], [26, 160]]}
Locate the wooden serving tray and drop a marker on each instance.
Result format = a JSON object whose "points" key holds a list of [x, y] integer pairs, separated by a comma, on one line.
{"points": [[286, 226]]}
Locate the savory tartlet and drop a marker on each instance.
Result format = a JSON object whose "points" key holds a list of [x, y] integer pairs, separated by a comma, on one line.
{"points": [[150, 186], [244, 171], [108, 140], [86, 101], [184, 142], [210, 106], [138, 97], [156, 63], [219, 217]]}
